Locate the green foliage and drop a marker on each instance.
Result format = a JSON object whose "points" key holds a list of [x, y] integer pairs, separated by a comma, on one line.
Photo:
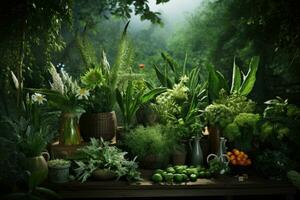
{"points": [[237, 103], [152, 140], [243, 130], [273, 164], [241, 85], [180, 106], [58, 163], [132, 99], [65, 94], [220, 29], [218, 115], [294, 177], [101, 79], [99, 155]]}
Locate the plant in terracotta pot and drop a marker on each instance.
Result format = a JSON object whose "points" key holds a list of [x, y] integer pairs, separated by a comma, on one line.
{"points": [[104, 162], [101, 79], [217, 117], [59, 170], [152, 145]]}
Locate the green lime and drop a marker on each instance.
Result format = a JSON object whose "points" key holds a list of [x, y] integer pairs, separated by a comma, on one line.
{"points": [[192, 171], [178, 178], [159, 171], [157, 178], [193, 177], [207, 174], [170, 170], [169, 177], [185, 177], [202, 174]]}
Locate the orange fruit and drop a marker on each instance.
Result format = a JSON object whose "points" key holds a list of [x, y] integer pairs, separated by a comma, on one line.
{"points": [[248, 162], [232, 157], [234, 162], [229, 153], [236, 152]]}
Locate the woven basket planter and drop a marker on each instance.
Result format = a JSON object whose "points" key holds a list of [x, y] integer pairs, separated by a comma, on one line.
{"points": [[98, 125]]}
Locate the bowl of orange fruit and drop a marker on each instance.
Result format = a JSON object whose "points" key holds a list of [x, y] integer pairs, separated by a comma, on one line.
{"points": [[239, 161]]}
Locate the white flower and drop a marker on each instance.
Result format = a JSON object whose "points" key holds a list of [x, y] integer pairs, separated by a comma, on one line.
{"points": [[184, 78], [39, 98], [82, 93]]}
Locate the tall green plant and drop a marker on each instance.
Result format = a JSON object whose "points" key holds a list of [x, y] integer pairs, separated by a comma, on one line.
{"points": [[101, 78], [241, 84], [130, 100]]}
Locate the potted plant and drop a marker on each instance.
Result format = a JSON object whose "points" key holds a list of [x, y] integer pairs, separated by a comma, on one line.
{"points": [[217, 116], [99, 119], [66, 97], [31, 133], [104, 162], [59, 170], [152, 145], [132, 98]]}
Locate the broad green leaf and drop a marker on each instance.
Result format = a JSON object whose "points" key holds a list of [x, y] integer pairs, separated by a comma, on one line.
{"points": [[222, 81], [164, 80], [213, 83], [250, 78], [171, 63], [236, 78], [151, 94]]}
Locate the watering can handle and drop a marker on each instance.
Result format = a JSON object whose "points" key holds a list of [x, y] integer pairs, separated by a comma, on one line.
{"points": [[210, 156], [227, 158]]}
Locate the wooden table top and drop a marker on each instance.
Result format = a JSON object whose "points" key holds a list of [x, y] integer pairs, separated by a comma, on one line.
{"points": [[221, 186]]}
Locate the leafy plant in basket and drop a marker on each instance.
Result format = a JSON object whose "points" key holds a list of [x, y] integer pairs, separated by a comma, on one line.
{"points": [[98, 155], [101, 80]]}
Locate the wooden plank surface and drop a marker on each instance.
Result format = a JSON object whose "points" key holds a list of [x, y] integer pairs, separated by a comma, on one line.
{"points": [[221, 186]]}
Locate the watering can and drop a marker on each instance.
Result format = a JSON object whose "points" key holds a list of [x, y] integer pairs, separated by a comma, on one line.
{"points": [[221, 154], [196, 151]]}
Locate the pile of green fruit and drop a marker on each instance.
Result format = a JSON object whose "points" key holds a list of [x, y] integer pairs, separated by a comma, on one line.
{"points": [[180, 174]]}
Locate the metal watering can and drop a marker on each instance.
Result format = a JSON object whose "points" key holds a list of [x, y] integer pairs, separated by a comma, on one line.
{"points": [[221, 155]]}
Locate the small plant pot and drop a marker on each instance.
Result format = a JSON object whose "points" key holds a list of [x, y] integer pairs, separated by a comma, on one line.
{"points": [[104, 174], [179, 157], [59, 174]]}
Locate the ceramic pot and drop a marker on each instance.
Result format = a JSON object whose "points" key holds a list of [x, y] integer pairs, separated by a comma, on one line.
{"points": [[38, 167], [59, 174]]}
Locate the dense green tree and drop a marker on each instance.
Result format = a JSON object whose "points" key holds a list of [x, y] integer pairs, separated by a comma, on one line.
{"points": [[223, 29]]}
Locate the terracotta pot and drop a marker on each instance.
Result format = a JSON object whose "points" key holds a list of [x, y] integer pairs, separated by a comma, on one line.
{"points": [[98, 125], [214, 139], [38, 167]]}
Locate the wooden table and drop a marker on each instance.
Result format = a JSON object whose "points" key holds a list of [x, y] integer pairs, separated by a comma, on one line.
{"points": [[222, 186]]}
